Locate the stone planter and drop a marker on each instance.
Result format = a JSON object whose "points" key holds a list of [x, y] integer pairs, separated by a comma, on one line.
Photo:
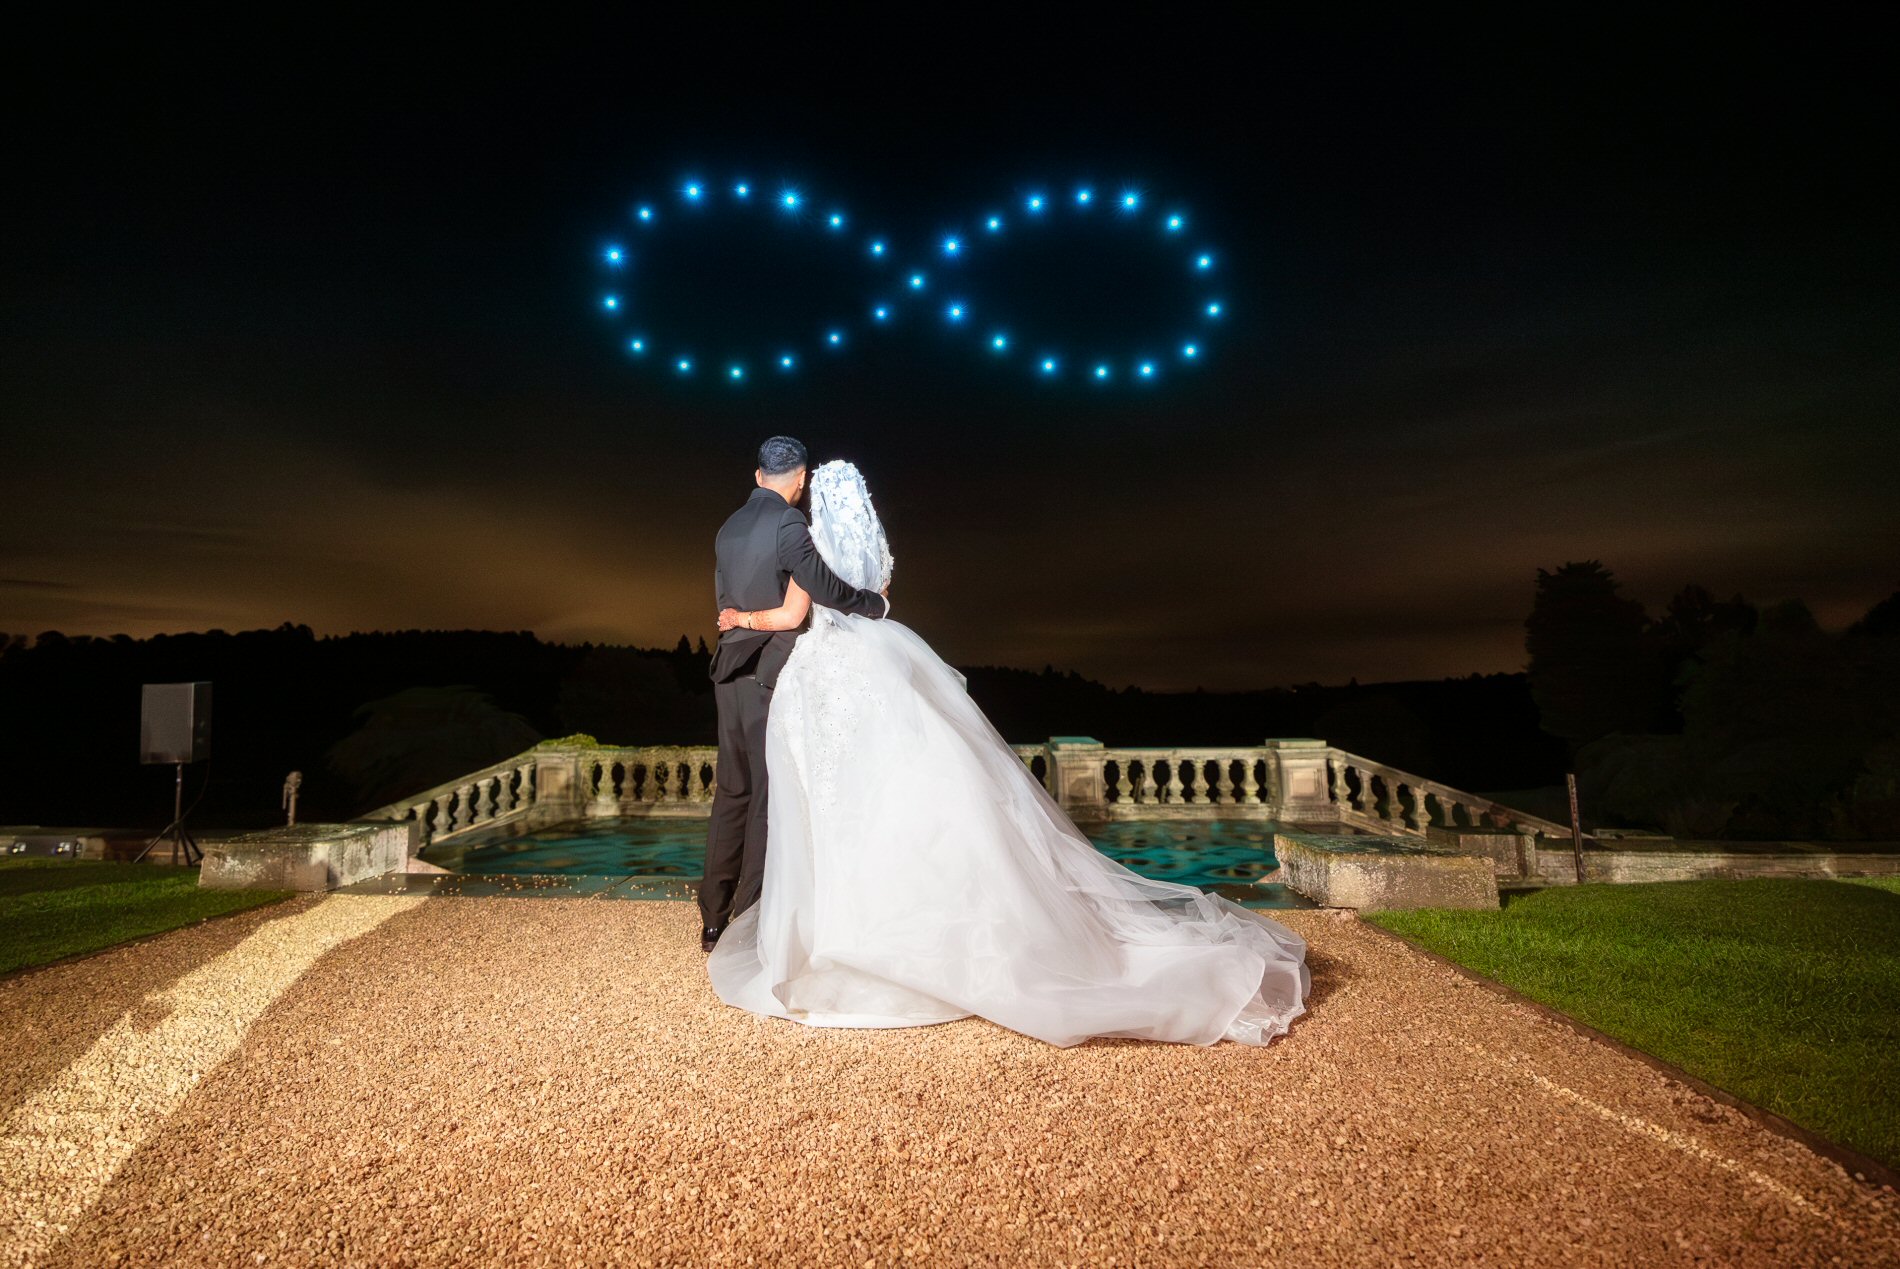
{"points": [[306, 856]]}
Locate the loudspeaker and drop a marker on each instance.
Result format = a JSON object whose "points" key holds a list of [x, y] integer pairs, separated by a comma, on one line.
{"points": [[175, 723]]}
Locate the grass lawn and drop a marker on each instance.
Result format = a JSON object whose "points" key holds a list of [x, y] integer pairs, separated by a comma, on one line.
{"points": [[1785, 993], [51, 908]]}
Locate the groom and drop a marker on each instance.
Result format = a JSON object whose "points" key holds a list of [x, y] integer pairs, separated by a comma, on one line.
{"points": [[760, 546]]}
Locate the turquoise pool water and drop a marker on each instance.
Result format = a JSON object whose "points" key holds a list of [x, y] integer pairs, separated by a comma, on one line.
{"points": [[1218, 855]]}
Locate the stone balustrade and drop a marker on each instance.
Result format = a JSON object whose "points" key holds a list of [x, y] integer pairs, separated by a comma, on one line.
{"points": [[1378, 798], [1298, 781], [494, 795]]}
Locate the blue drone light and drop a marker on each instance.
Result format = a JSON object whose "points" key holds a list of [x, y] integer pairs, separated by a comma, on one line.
{"points": [[1048, 363], [1133, 202]]}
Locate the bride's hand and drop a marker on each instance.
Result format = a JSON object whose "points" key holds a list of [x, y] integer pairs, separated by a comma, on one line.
{"points": [[729, 618]]}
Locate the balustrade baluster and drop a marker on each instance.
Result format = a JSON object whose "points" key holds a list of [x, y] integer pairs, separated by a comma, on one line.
{"points": [[1124, 786], [485, 802], [1175, 794], [1342, 795], [1146, 791], [1249, 787], [504, 793], [1198, 767], [1421, 818]]}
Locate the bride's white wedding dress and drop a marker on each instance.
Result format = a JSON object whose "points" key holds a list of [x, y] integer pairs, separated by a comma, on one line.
{"points": [[917, 872]]}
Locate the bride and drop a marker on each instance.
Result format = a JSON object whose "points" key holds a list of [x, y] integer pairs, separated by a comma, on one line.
{"points": [[918, 873]]}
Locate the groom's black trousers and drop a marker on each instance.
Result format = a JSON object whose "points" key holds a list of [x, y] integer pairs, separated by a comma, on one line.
{"points": [[735, 840]]}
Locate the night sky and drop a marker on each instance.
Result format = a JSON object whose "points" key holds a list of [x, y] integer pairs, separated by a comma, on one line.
{"points": [[302, 323]]}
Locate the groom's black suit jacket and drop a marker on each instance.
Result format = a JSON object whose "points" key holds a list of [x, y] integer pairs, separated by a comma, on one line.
{"points": [[761, 546]]}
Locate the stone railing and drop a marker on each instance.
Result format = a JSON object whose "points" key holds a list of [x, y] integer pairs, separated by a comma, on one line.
{"points": [[1373, 796], [659, 780], [1291, 781], [501, 794]]}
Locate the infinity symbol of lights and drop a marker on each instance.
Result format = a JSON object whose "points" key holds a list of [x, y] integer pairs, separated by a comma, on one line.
{"points": [[926, 281]]}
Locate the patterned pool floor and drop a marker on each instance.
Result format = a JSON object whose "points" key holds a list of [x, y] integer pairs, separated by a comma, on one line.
{"points": [[1226, 857]]}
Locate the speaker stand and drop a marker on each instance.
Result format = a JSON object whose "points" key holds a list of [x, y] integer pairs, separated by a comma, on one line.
{"points": [[181, 838]]}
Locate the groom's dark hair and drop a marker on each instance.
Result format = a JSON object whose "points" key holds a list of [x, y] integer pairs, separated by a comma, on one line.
{"points": [[780, 455]]}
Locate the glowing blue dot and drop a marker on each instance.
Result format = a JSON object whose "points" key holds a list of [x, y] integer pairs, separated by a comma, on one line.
{"points": [[951, 246], [789, 199], [877, 248], [1130, 201], [835, 338], [611, 301], [743, 191], [1204, 262], [693, 191], [954, 312], [1213, 310], [916, 281], [1190, 351], [1174, 224], [636, 345], [837, 221], [999, 342], [1083, 195], [1048, 365], [1101, 372], [1147, 370], [684, 365], [1035, 202], [645, 213], [993, 224], [613, 255], [785, 362], [737, 372], [880, 312]]}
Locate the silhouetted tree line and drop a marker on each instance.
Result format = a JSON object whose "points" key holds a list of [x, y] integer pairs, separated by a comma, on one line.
{"points": [[1716, 718], [369, 718]]}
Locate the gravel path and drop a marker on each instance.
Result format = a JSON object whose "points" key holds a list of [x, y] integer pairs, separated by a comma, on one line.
{"points": [[531, 1082]]}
